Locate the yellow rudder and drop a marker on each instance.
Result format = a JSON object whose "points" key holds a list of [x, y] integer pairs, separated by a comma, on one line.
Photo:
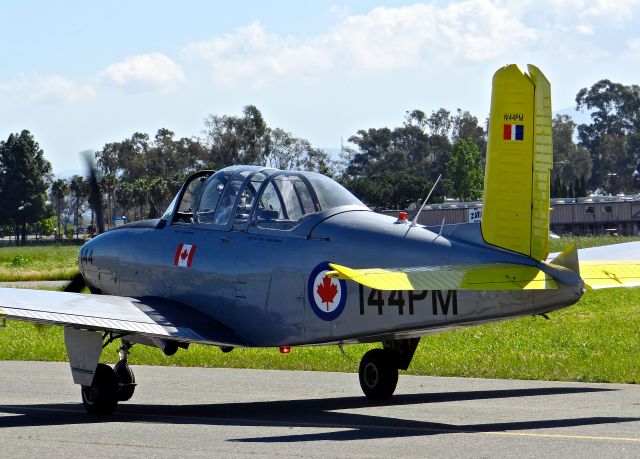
{"points": [[542, 165], [515, 212]]}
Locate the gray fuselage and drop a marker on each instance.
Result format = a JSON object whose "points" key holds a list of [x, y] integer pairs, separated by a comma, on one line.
{"points": [[267, 283]]}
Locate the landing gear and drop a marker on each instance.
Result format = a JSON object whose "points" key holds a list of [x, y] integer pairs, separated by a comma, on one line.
{"points": [[379, 367], [124, 373], [110, 385], [101, 397], [126, 380], [378, 374]]}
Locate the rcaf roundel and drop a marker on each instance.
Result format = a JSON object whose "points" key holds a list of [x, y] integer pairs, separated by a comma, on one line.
{"points": [[327, 295]]}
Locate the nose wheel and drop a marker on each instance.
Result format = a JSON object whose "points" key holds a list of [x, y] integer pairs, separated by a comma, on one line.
{"points": [[124, 373], [126, 380], [378, 374]]}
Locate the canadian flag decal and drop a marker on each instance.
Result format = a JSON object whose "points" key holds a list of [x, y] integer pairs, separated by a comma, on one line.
{"points": [[184, 255]]}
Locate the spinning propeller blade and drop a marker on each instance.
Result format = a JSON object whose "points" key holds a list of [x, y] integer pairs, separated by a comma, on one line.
{"points": [[95, 200], [77, 283]]}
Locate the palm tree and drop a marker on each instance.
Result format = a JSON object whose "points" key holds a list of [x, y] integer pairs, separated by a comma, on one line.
{"points": [[59, 190], [109, 181], [158, 189], [78, 186], [141, 190]]}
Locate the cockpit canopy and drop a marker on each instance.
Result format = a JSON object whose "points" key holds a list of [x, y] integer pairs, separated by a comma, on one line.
{"points": [[268, 198]]}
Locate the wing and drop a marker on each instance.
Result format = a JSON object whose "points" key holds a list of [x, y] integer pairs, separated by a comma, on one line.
{"points": [[148, 316], [610, 266], [481, 276]]}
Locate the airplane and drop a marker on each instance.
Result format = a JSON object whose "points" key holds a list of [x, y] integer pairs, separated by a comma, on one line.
{"points": [[251, 256]]}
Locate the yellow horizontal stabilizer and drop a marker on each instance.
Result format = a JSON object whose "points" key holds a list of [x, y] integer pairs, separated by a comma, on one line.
{"points": [[610, 274], [483, 276]]}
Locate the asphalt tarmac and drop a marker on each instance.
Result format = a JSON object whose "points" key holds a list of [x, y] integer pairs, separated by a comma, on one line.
{"points": [[197, 412]]}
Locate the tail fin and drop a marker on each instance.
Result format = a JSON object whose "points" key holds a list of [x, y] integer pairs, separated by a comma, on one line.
{"points": [[515, 213]]}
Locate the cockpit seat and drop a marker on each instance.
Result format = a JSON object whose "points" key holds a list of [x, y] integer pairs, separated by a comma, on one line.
{"points": [[267, 214]]}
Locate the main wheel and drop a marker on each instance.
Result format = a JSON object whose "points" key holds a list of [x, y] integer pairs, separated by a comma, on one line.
{"points": [[126, 380], [378, 374], [101, 397]]}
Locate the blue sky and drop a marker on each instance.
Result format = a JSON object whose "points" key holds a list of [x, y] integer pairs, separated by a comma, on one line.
{"points": [[81, 74]]}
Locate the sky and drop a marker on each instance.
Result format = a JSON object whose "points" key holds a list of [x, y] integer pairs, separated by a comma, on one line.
{"points": [[81, 74]]}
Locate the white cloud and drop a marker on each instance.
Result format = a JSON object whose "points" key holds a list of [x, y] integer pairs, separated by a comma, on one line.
{"points": [[384, 39], [616, 12], [56, 88], [147, 71], [252, 53], [584, 30], [47, 89]]}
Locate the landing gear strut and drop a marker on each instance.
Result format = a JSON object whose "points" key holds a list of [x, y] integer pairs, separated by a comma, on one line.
{"points": [[379, 367], [124, 373]]}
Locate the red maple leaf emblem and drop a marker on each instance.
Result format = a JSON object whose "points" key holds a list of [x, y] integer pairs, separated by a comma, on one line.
{"points": [[327, 291], [184, 254]]}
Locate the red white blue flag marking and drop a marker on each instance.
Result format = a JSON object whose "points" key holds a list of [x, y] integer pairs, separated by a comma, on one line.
{"points": [[184, 255], [513, 132]]}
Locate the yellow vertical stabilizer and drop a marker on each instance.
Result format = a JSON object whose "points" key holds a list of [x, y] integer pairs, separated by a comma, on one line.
{"points": [[515, 212]]}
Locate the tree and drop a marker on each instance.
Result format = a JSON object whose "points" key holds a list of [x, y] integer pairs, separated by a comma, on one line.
{"points": [[389, 189], [157, 194], [237, 140], [418, 151], [127, 199], [613, 136], [571, 162], [140, 189], [24, 173], [59, 191], [45, 227], [466, 126], [79, 190], [109, 182], [163, 162], [290, 153], [465, 171]]}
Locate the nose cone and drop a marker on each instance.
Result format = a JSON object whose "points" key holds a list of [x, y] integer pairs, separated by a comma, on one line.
{"points": [[100, 257]]}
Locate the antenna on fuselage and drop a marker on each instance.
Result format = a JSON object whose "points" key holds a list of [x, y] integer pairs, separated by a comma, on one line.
{"points": [[442, 226], [415, 219]]}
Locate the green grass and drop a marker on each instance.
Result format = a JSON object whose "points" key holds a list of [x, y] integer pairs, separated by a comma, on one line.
{"points": [[53, 262], [583, 242]]}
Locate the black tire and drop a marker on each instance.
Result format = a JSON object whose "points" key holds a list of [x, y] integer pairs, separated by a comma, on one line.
{"points": [[126, 380], [378, 374], [101, 397]]}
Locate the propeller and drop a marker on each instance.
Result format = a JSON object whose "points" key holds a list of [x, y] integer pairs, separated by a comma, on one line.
{"points": [[95, 199], [77, 283]]}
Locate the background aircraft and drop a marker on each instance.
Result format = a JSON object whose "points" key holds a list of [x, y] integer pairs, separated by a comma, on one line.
{"points": [[250, 256]]}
